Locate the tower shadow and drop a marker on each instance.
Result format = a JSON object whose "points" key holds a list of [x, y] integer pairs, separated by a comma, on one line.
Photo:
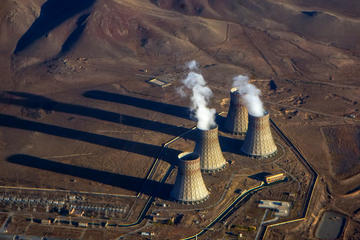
{"points": [[34, 101], [227, 144], [170, 109], [116, 143], [149, 187]]}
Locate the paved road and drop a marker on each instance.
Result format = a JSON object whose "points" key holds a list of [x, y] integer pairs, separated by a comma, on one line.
{"points": [[261, 224], [227, 210], [312, 183], [6, 222], [312, 111], [150, 175]]}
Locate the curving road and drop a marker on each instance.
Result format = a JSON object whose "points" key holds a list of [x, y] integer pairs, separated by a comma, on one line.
{"points": [[312, 184], [150, 175], [227, 210]]}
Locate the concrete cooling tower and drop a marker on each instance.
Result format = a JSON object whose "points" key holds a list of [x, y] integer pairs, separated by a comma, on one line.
{"points": [[189, 187], [237, 118], [208, 148], [259, 141]]}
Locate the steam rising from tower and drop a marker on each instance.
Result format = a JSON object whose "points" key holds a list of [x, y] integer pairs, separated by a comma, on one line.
{"points": [[237, 119], [258, 141], [201, 95], [250, 95], [208, 147], [189, 185]]}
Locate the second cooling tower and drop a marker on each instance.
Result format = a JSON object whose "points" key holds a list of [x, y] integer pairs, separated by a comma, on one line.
{"points": [[189, 185], [259, 141], [236, 121], [208, 148]]}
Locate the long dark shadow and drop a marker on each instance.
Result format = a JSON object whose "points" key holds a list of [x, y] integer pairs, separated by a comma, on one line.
{"points": [[227, 144], [130, 146], [39, 102], [152, 188], [52, 14], [34, 101], [166, 108]]}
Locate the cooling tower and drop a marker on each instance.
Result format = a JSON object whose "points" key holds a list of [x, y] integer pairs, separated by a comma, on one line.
{"points": [[259, 141], [208, 148], [189, 187], [237, 118]]}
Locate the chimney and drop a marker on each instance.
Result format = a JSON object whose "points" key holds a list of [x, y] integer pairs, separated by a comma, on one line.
{"points": [[208, 148], [259, 141], [237, 118], [189, 187]]}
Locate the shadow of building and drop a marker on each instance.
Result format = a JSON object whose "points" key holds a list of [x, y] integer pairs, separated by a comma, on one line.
{"points": [[149, 187]]}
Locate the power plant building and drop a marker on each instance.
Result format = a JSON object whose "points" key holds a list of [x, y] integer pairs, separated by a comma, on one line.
{"points": [[208, 148], [189, 187], [259, 141], [236, 121]]}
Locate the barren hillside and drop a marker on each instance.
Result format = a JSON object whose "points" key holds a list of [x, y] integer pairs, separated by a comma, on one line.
{"points": [[304, 55]]}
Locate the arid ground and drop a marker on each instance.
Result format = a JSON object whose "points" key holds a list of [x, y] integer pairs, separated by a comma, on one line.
{"points": [[77, 111]]}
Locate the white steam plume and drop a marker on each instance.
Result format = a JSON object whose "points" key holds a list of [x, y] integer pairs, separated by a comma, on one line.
{"points": [[201, 95], [249, 95]]}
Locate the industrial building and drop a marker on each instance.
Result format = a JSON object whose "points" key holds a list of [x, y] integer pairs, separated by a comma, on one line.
{"points": [[259, 141], [236, 121], [275, 178], [189, 187], [281, 208], [208, 148]]}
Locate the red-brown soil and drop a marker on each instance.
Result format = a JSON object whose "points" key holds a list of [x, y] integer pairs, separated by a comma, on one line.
{"points": [[77, 113]]}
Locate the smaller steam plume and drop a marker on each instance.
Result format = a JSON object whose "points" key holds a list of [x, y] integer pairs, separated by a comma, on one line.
{"points": [[201, 95], [249, 95]]}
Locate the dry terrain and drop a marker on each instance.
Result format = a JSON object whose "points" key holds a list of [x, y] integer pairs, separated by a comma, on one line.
{"points": [[79, 117]]}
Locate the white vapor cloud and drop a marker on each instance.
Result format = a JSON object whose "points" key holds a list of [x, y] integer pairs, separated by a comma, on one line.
{"points": [[200, 98], [249, 95]]}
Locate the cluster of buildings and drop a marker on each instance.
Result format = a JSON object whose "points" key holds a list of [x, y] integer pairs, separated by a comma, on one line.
{"points": [[281, 208], [189, 187], [71, 206]]}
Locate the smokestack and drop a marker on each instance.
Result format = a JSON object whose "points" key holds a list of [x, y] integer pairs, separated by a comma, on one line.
{"points": [[189, 187], [259, 141], [208, 148], [237, 119]]}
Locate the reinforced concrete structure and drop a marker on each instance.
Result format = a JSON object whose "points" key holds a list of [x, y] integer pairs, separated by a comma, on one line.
{"points": [[259, 141], [282, 209], [208, 148], [236, 121], [189, 187]]}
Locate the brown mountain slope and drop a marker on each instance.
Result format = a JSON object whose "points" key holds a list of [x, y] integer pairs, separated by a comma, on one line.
{"points": [[139, 32], [62, 49]]}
